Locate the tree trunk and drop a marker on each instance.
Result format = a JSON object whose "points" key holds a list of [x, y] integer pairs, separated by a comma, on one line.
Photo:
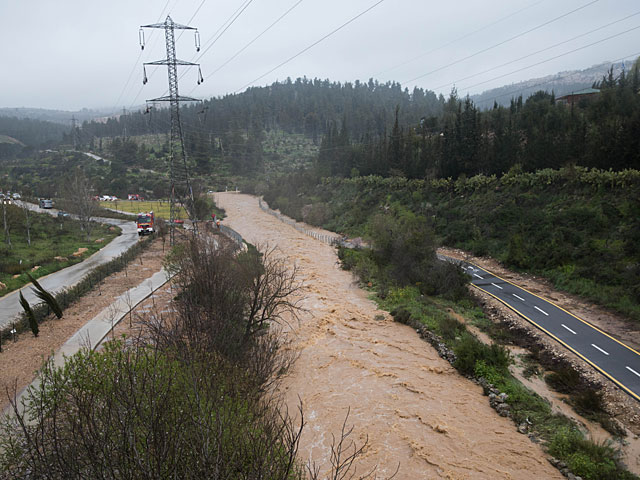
{"points": [[7, 236]]}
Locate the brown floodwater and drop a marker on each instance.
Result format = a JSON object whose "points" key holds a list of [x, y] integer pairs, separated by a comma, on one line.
{"points": [[413, 408]]}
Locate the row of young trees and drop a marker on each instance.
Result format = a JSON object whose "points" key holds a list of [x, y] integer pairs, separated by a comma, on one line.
{"points": [[602, 131]]}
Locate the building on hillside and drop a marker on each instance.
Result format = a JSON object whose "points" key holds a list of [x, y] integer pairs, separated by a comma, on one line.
{"points": [[574, 98]]}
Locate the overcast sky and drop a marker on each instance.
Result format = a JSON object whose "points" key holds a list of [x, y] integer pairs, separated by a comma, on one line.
{"points": [[70, 54]]}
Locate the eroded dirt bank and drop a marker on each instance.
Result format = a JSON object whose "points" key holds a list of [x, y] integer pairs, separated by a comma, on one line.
{"points": [[413, 407]]}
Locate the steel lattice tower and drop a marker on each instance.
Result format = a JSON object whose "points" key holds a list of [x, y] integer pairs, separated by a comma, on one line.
{"points": [[180, 184]]}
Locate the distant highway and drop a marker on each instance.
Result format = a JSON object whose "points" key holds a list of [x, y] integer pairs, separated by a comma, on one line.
{"points": [[617, 361]]}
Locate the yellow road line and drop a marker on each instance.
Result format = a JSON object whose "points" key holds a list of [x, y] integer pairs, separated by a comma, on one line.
{"points": [[559, 307], [610, 377]]}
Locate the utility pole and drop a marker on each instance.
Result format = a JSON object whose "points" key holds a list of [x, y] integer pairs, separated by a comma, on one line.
{"points": [[74, 133], [180, 184], [124, 124]]}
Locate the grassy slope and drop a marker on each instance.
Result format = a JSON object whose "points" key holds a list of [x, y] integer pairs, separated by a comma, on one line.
{"points": [[50, 238], [159, 208]]}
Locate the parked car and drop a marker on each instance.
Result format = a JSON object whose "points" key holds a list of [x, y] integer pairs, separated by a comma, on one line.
{"points": [[62, 214], [46, 203]]}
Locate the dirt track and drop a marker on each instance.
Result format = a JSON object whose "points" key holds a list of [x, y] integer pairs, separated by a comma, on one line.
{"points": [[413, 407], [19, 361]]}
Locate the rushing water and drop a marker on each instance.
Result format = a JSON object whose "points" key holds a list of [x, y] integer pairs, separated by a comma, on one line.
{"points": [[411, 406]]}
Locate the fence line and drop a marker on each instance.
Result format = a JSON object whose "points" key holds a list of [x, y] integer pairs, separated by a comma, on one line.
{"points": [[232, 234], [328, 239]]}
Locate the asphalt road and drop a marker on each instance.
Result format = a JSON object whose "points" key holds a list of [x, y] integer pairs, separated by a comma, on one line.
{"points": [[609, 356], [9, 305]]}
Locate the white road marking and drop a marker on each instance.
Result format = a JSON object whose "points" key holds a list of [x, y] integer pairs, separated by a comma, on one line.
{"points": [[470, 268], [568, 328], [476, 275], [541, 311], [632, 371], [519, 298], [496, 285], [598, 348]]}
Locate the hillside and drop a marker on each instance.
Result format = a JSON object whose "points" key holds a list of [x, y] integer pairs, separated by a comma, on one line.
{"points": [[28, 133], [561, 83], [576, 227]]}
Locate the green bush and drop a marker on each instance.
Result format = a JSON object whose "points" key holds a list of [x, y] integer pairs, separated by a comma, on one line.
{"points": [[469, 350], [489, 373], [586, 459], [401, 315], [588, 402], [449, 328], [151, 416]]}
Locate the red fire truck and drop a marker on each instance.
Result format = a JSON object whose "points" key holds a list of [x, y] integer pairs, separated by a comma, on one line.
{"points": [[145, 223]]}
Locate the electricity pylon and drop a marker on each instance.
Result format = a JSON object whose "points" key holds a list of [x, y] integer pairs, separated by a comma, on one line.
{"points": [[74, 132], [180, 184]]}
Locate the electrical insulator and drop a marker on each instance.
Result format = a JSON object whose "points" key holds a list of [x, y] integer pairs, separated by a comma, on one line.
{"points": [[197, 38]]}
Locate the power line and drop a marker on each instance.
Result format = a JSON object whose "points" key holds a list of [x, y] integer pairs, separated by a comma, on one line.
{"points": [[137, 62], [224, 27], [520, 90], [243, 8], [458, 39], [254, 40], [554, 58], [313, 45], [502, 43], [535, 53], [194, 15]]}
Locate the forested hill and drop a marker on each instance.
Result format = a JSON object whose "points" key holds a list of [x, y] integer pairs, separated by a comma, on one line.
{"points": [[300, 106], [32, 133], [601, 130]]}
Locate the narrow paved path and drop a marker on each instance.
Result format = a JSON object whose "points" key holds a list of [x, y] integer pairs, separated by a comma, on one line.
{"points": [[10, 307], [97, 328], [413, 407]]}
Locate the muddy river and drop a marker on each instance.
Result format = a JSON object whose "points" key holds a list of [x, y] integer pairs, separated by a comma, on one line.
{"points": [[412, 406]]}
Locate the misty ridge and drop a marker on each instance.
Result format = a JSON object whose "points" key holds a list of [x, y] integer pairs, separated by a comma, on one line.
{"points": [[561, 83]]}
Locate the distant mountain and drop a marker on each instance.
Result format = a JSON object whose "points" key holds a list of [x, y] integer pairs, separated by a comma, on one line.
{"points": [[56, 116], [561, 83]]}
